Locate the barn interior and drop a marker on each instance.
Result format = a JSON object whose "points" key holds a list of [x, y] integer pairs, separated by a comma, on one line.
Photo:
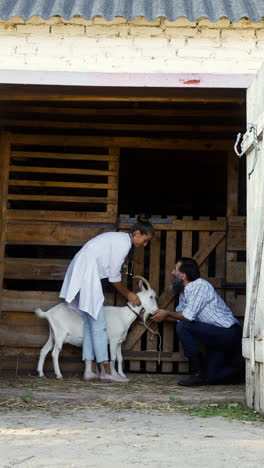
{"points": [[78, 161]]}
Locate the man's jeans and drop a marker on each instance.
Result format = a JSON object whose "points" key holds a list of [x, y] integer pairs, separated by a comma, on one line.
{"points": [[221, 343]]}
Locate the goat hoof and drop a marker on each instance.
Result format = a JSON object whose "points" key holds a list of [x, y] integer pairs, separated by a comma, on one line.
{"points": [[41, 376], [59, 377]]}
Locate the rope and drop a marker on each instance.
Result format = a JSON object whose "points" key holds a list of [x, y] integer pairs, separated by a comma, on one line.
{"points": [[152, 337]]}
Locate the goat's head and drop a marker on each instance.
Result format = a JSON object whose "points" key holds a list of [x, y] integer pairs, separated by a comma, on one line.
{"points": [[148, 298]]}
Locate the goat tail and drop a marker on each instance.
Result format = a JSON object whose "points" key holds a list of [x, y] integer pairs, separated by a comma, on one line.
{"points": [[40, 313]]}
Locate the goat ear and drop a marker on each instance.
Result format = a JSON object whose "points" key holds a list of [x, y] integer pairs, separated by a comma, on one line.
{"points": [[141, 287]]}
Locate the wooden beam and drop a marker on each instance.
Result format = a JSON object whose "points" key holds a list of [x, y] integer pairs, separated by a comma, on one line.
{"points": [[64, 156], [23, 94], [121, 112], [66, 199], [48, 183], [28, 301], [50, 233], [66, 216], [4, 173], [75, 124], [124, 142], [56, 170], [184, 225], [35, 268]]}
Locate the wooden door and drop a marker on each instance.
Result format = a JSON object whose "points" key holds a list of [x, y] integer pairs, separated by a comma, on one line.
{"points": [[253, 333]]}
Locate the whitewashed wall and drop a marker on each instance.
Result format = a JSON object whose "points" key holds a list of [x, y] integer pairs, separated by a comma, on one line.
{"points": [[132, 46]]}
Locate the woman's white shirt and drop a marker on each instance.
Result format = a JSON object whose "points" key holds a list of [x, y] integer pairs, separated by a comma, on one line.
{"points": [[101, 257]]}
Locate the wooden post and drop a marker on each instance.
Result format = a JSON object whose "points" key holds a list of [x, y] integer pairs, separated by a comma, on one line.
{"points": [[231, 206], [113, 194], [4, 173], [232, 184]]}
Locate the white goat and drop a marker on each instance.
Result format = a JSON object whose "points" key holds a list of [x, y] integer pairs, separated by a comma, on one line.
{"points": [[66, 326]]}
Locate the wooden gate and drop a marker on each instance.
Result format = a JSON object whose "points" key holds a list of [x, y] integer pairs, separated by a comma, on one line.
{"points": [[206, 241], [253, 334]]}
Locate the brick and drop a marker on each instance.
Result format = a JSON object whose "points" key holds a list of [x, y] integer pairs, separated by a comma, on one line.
{"points": [[233, 66], [247, 23], [67, 30], [220, 24], [27, 49], [190, 52], [258, 53], [200, 43], [145, 31], [113, 42], [150, 42], [110, 31], [122, 30], [179, 23], [141, 21], [169, 52], [102, 21], [117, 52], [33, 29], [260, 34], [7, 29], [260, 44], [176, 42], [239, 45], [237, 34], [181, 32], [230, 52], [214, 34], [11, 42]]}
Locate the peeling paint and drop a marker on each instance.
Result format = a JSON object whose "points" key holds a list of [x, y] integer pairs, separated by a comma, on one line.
{"points": [[191, 82]]}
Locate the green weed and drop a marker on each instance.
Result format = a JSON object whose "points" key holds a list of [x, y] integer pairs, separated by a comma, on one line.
{"points": [[227, 410], [27, 397]]}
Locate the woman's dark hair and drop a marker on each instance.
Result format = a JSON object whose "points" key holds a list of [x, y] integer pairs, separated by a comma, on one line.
{"points": [[143, 225], [190, 268]]}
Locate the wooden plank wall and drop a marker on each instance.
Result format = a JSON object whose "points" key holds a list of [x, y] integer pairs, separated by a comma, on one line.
{"points": [[203, 239], [37, 244]]}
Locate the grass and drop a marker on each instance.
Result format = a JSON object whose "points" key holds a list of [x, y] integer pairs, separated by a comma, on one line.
{"points": [[227, 410], [27, 397]]}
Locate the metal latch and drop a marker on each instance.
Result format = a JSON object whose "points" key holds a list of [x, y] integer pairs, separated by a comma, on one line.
{"points": [[246, 143]]}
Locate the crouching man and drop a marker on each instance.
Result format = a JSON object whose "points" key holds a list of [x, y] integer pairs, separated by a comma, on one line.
{"points": [[203, 317]]}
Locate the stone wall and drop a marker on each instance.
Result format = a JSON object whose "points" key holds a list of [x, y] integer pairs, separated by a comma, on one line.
{"points": [[138, 46]]}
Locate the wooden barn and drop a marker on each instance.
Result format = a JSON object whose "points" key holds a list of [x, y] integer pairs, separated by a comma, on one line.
{"points": [[77, 164], [84, 149]]}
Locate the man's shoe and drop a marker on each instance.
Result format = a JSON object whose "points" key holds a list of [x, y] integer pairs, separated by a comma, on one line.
{"points": [[194, 380]]}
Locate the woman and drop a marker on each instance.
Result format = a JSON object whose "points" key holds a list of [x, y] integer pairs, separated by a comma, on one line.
{"points": [[101, 257]]}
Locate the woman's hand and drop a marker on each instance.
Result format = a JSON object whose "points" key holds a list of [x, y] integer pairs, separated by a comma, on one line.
{"points": [[159, 315], [133, 299]]}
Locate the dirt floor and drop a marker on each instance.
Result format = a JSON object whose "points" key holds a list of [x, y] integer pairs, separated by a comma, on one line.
{"points": [[51, 423]]}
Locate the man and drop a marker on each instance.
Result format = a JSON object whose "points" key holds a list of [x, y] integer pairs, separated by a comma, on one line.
{"points": [[203, 317]]}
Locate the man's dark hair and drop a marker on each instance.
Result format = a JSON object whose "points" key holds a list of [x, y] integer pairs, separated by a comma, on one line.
{"points": [[190, 268]]}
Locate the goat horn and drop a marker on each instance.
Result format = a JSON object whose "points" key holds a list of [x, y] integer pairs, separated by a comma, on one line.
{"points": [[144, 280]]}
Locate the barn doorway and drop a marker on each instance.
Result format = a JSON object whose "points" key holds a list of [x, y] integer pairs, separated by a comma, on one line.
{"points": [[167, 152]]}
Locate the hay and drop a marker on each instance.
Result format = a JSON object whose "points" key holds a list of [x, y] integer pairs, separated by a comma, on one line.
{"points": [[143, 392]]}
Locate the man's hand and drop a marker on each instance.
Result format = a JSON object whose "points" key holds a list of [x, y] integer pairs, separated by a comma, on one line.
{"points": [[159, 315], [133, 299]]}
